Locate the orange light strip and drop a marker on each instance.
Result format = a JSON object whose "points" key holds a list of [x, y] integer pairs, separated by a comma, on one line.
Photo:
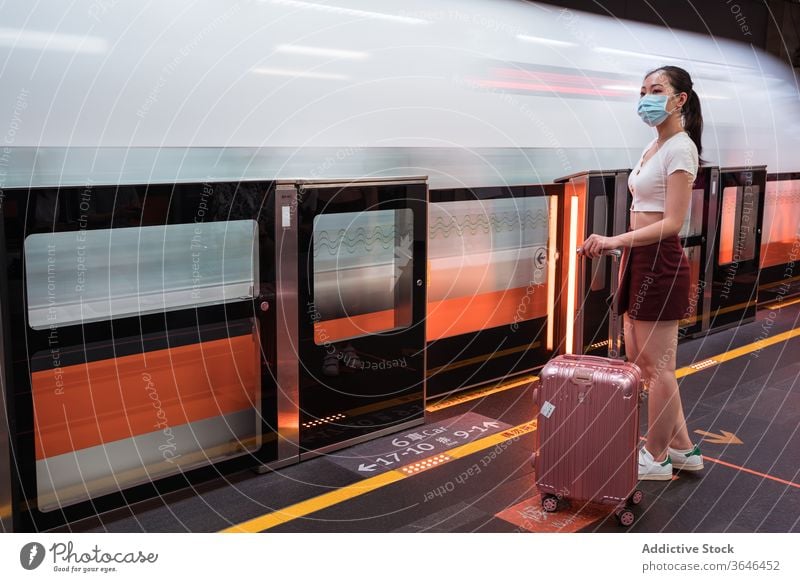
{"points": [[426, 464], [551, 271], [573, 244]]}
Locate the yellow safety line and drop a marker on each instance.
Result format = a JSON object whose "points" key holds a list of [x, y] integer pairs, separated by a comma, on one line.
{"points": [[326, 500], [478, 393], [680, 372], [314, 504], [779, 304], [738, 352], [730, 308], [483, 358], [757, 345], [781, 282], [693, 319], [348, 492]]}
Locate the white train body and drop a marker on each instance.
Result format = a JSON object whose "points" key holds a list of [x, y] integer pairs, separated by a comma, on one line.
{"points": [[473, 93]]}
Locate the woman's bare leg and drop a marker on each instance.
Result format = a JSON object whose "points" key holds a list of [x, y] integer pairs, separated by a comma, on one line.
{"points": [[657, 343], [628, 331]]}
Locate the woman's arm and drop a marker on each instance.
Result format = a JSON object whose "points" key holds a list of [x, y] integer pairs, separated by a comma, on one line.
{"points": [[679, 194]]}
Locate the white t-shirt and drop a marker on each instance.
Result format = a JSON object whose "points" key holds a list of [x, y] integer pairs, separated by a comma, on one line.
{"points": [[648, 183]]}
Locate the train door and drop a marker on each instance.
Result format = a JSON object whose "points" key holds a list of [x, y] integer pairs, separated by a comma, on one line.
{"points": [[361, 273], [140, 355], [738, 245]]}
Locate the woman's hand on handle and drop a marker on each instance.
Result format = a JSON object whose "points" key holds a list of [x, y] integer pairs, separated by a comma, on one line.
{"points": [[595, 244]]}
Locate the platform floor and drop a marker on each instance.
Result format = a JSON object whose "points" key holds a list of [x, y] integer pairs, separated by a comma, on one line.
{"points": [[487, 485]]}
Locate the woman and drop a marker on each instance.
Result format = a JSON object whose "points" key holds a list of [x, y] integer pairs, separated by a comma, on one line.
{"points": [[654, 286]]}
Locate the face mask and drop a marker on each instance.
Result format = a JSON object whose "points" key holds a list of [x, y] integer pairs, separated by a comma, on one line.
{"points": [[653, 109]]}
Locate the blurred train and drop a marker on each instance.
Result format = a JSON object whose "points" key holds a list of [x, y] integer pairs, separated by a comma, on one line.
{"points": [[479, 93], [155, 157]]}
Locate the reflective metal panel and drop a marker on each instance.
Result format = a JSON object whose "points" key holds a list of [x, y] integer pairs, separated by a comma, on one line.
{"points": [[5, 457], [287, 370]]}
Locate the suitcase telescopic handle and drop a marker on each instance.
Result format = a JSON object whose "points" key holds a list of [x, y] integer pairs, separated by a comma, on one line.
{"points": [[614, 318]]}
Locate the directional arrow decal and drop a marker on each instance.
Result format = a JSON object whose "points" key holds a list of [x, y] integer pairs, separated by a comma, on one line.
{"points": [[540, 258], [726, 438], [426, 445]]}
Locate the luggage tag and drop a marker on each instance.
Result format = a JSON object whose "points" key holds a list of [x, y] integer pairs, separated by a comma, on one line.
{"points": [[547, 409]]}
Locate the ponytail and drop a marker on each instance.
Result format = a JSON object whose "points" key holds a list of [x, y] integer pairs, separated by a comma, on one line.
{"points": [[693, 121]]}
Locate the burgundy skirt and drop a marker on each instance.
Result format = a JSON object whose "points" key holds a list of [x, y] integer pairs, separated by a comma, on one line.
{"points": [[655, 281]]}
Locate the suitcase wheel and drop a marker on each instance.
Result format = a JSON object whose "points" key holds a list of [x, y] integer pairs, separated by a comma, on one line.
{"points": [[625, 517], [637, 497], [550, 503]]}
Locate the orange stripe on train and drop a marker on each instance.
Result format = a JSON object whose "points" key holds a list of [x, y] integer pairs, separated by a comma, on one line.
{"points": [[446, 318], [86, 405]]}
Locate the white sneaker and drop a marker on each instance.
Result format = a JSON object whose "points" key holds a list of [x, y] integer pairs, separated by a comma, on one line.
{"points": [[651, 470], [688, 460]]}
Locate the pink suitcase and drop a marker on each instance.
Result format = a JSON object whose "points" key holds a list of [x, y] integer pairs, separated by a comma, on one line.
{"points": [[588, 430]]}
